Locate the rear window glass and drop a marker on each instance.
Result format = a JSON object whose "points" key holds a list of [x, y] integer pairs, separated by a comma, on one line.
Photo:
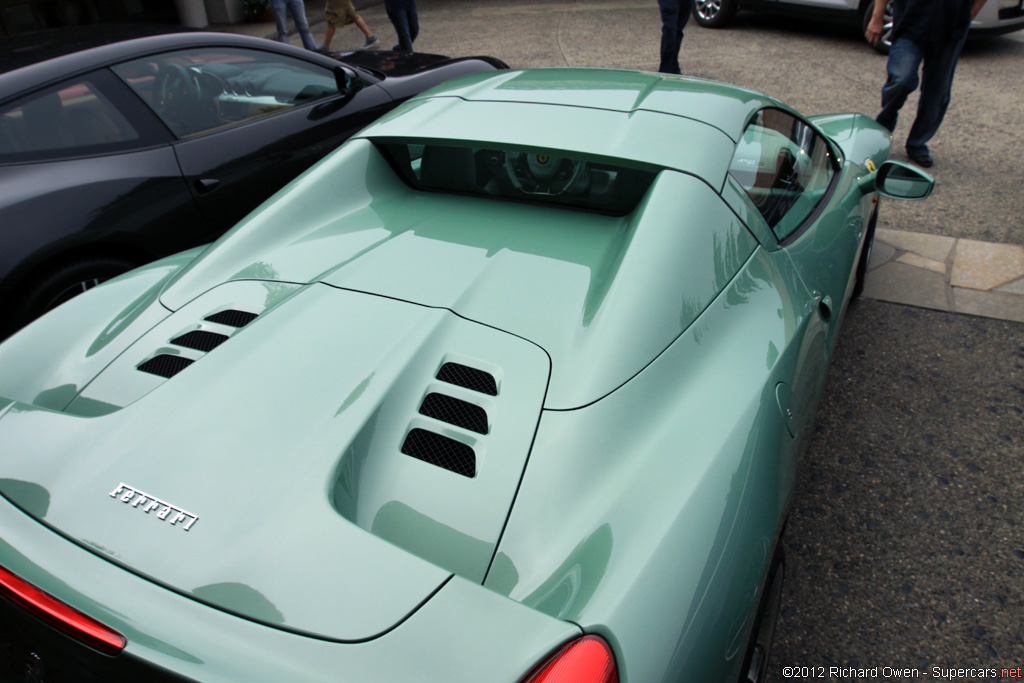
{"points": [[523, 175], [69, 120]]}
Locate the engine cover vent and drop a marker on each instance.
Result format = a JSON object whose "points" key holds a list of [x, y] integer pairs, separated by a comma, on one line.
{"points": [[165, 365], [455, 411], [441, 451], [468, 378], [232, 318], [200, 340]]}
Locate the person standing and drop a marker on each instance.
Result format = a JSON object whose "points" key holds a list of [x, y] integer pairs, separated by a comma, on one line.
{"points": [[402, 14], [928, 32], [674, 15], [341, 13], [298, 10]]}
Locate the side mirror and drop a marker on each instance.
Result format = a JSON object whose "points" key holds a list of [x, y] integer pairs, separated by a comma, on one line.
{"points": [[343, 80], [900, 180]]}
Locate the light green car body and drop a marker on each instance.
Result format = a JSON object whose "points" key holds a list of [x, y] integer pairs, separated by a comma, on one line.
{"points": [[657, 378]]}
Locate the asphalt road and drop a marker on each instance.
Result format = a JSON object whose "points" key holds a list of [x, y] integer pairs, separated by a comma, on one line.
{"points": [[905, 546]]}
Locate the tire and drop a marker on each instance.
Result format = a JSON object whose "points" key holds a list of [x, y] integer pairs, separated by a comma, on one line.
{"points": [[714, 13], [60, 285], [886, 42], [755, 664], [865, 258]]}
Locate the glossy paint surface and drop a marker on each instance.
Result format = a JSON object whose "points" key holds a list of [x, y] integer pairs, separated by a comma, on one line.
{"points": [[656, 379], [578, 285], [464, 632]]}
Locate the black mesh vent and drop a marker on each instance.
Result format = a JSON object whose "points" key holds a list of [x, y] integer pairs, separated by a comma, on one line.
{"points": [[455, 412], [165, 365], [468, 378], [200, 340], [441, 451], [232, 317]]}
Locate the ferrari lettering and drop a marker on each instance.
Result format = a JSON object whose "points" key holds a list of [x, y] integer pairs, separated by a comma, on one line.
{"points": [[147, 503]]}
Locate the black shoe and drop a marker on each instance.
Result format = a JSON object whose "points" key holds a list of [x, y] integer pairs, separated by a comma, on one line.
{"points": [[922, 159]]}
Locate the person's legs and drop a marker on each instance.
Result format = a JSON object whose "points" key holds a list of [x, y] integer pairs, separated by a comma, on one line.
{"points": [[298, 10], [904, 59], [936, 87], [280, 10], [413, 19], [328, 36], [399, 17], [671, 35], [361, 25]]}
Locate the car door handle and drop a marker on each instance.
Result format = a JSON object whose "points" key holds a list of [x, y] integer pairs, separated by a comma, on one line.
{"points": [[206, 185]]}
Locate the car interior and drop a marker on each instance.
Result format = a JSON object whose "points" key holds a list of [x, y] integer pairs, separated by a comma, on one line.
{"points": [[197, 92], [524, 175]]}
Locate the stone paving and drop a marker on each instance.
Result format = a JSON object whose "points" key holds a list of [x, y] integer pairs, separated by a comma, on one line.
{"points": [[947, 274]]}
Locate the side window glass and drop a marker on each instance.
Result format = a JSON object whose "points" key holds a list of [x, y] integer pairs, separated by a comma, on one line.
{"points": [[196, 91], [69, 120], [784, 167]]}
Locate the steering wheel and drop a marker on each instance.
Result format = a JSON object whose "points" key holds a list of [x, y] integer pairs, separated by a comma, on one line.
{"points": [[175, 89], [541, 174]]}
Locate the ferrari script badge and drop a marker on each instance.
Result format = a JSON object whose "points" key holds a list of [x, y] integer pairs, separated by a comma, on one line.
{"points": [[143, 501]]}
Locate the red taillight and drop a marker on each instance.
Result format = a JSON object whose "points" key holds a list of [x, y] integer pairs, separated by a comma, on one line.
{"points": [[585, 660], [66, 619]]}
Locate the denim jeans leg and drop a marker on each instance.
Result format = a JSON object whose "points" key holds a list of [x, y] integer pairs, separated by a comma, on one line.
{"points": [[413, 19], [398, 13], [298, 10], [671, 35], [280, 10], [936, 87], [901, 79]]}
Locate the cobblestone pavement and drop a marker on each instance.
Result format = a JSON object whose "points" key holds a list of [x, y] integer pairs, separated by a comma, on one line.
{"points": [[947, 274]]}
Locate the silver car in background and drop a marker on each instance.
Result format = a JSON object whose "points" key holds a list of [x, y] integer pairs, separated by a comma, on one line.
{"points": [[996, 17]]}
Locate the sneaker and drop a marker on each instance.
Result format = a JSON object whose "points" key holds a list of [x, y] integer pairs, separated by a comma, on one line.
{"points": [[322, 48], [370, 43], [922, 159]]}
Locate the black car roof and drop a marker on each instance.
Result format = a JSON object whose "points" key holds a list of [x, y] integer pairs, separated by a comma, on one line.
{"points": [[50, 56]]}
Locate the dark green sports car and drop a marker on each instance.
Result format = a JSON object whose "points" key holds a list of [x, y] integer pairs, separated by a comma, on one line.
{"points": [[510, 387]]}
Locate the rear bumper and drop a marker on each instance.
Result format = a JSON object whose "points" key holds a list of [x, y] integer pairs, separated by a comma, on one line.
{"points": [[464, 633]]}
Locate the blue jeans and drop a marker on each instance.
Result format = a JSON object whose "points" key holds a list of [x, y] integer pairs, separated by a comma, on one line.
{"points": [[402, 14], [939, 60], [298, 10], [674, 15]]}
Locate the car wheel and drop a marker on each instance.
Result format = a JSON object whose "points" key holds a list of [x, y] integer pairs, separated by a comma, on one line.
{"points": [[714, 13], [886, 41], [67, 282], [755, 665], [865, 257]]}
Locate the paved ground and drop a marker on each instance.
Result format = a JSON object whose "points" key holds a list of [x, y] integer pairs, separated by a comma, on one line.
{"points": [[905, 546]]}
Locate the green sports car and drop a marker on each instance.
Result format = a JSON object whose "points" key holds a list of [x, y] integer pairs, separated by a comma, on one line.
{"points": [[510, 387]]}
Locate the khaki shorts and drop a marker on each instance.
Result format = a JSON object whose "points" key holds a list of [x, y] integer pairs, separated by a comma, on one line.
{"points": [[340, 13]]}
